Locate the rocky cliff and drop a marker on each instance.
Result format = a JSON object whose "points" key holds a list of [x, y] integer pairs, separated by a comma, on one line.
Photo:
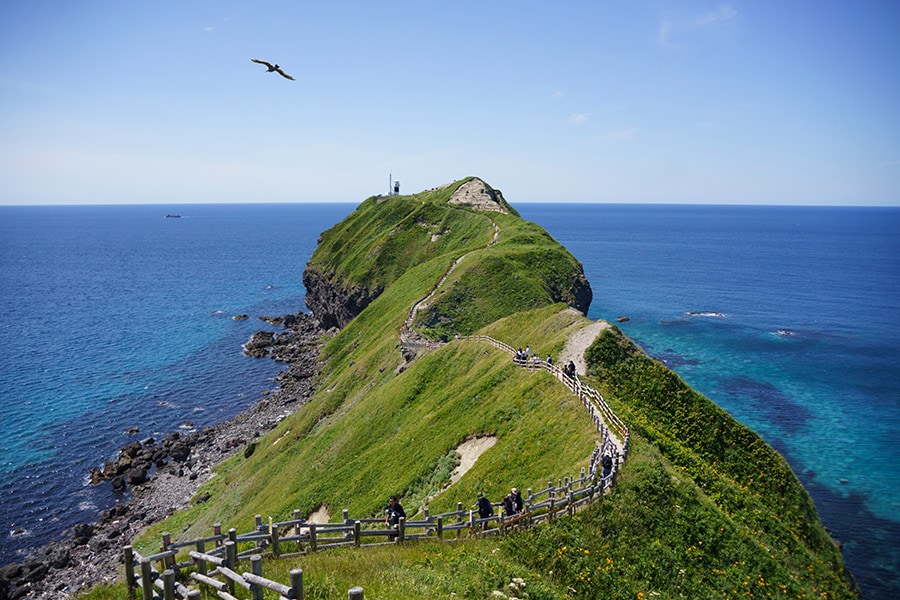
{"points": [[332, 302]]}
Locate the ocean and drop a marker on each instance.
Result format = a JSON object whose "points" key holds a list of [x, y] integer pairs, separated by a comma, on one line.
{"points": [[787, 318], [115, 317]]}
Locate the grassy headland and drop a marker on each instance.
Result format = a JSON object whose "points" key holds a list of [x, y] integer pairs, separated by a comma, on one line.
{"points": [[703, 508]]}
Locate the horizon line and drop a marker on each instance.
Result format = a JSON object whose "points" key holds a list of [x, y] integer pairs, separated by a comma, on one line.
{"points": [[356, 202]]}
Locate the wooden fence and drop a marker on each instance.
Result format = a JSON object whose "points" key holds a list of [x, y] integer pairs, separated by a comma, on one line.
{"points": [[215, 559], [601, 414], [216, 568]]}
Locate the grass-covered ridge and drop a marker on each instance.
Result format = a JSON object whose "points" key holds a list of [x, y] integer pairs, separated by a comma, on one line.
{"points": [[386, 237], [702, 509]]}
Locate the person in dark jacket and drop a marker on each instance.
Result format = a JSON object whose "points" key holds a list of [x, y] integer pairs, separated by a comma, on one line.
{"points": [[518, 503], [485, 508], [607, 463], [392, 515]]}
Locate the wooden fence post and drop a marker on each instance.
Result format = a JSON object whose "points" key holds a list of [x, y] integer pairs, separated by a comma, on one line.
{"points": [[168, 561], [355, 593], [147, 579], [312, 537], [440, 528], [256, 590], [168, 584], [230, 560], [260, 528], [297, 528], [273, 533], [201, 564], [357, 527], [297, 583], [459, 517], [217, 531], [402, 529], [130, 582]]}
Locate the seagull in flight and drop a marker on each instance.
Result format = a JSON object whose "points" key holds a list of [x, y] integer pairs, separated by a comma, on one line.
{"points": [[270, 68]]}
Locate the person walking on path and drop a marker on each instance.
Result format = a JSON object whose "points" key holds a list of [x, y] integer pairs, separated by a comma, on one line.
{"points": [[392, 515], [516, 497], [485, 508]]}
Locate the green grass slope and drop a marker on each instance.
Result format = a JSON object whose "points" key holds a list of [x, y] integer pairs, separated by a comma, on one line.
{"points": [[702, 508]]}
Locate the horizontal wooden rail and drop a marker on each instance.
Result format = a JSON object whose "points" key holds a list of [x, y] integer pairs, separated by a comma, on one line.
{"points": [[564, 497]]}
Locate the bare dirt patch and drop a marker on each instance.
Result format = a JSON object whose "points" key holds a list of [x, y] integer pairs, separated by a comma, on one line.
{"points": [[474, 193], [319, 516], [470, 450]]}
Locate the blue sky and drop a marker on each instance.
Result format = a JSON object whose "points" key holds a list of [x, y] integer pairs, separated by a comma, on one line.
{"points": [[769, 102]]}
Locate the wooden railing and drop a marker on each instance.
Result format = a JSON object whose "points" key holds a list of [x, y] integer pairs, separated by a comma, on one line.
{"points": [[215, 558], [601, 413], [216, 568]]}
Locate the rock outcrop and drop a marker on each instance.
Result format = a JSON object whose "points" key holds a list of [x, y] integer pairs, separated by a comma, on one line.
{"points": [[580, 295], [333, 304], [476, 194]]}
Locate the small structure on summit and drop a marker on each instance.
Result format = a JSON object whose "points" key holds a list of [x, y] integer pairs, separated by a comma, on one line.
{"points": [[393, 185]]}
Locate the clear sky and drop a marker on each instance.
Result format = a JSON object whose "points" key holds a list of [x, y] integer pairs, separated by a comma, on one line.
{"points": [[762, 101]]}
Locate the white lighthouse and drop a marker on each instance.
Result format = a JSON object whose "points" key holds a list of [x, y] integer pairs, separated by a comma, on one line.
{"points": [[393, 185]]}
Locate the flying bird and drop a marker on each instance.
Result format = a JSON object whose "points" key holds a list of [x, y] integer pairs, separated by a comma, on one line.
{"points": [[270, 68]]}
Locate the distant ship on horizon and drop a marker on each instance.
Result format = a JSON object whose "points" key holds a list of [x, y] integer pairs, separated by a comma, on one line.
{"points": [[173, 216]]}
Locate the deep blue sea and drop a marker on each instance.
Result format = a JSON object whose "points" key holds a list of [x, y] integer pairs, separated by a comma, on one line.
{"points": [[114, 316], [825, 392]]}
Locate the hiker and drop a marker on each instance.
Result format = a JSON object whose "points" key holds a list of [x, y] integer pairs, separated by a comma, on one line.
{"points": [[607, 463], [392, 515], [508, 506], [518, 503], [485, 508], [520, 356]]}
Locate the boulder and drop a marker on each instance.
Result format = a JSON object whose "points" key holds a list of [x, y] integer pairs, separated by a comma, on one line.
{"points": [[136, 476], [259, 344], [180, 452], [81, 533]]}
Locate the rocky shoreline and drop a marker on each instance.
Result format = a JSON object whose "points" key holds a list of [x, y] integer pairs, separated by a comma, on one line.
{"points": [[166, 476]]}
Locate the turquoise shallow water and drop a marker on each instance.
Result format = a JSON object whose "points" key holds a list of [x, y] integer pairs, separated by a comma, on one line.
{"points": [[796, 336], [114, 316]]}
